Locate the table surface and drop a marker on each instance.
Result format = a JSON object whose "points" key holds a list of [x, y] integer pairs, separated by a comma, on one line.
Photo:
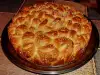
{"points": [[7, 68]]}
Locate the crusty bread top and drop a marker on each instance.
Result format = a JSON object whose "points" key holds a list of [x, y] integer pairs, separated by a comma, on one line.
{"points": [[49, 33]]}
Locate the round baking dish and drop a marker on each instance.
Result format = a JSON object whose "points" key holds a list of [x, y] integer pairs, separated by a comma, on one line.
{"points": [[90, 51]]}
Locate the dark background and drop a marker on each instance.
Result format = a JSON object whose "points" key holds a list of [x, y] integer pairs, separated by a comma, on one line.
{"points": [[10, 5]]}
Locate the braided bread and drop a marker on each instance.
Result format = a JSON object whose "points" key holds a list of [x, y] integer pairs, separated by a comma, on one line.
{"points": [[49, 33]]}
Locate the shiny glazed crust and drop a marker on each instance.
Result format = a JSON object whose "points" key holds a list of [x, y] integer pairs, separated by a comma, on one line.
{"points": [[49, 34]]}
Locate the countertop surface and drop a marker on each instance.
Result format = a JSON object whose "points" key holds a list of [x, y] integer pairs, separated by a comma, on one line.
{"points": [[7, 68]]}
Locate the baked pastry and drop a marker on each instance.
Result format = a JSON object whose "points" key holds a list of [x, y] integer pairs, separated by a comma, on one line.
{"points": [[49, 34]]}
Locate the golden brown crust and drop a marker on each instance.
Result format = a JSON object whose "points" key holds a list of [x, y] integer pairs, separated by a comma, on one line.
{"points": [[49, 33]]}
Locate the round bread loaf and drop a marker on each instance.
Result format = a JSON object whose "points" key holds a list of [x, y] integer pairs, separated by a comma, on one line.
{"points": [[49, 33]]}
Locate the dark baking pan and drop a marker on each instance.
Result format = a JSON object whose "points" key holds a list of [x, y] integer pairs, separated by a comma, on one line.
{"points": [[90, 51]]}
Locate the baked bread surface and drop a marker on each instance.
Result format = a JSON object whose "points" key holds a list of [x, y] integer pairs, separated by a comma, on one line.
{"points": [[49, 33]]}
